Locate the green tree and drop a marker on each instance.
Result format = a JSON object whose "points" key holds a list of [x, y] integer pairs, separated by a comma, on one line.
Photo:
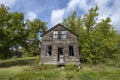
{"points": [[11, 31], [35, 29], [15, 33], [97, 40]]}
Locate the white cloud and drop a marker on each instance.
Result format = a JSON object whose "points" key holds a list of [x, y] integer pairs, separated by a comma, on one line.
{"points": [[111, 11], [115, 15], [107, 8], [31, 16], [73, 4], [9, 3], [57, 15]]}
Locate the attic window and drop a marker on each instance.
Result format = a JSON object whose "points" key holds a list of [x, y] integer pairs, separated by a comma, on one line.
{"points": [[49, 50], [63, 34], [55, 34]]}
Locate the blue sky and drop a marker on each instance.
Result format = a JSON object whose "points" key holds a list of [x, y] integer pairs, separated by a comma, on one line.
{"points": [[53, 11]]}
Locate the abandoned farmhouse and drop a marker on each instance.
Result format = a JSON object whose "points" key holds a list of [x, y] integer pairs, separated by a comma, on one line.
{"points": [[59, 46]]}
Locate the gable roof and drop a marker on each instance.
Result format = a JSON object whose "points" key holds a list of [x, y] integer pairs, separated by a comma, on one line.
{"points": [[59, 24]]}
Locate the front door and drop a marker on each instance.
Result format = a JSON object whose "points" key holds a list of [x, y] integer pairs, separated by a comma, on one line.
{"points": [[60, 55]]}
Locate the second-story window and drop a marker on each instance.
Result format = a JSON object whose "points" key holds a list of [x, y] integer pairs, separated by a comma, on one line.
{"points": [[63, 34], [55, 34]]}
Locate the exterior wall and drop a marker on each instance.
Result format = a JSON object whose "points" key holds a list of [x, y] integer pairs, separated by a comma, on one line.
{"points": [[70, 39]]}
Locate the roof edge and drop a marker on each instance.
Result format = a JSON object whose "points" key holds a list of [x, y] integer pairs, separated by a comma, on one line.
{"points": [[55, 27]]}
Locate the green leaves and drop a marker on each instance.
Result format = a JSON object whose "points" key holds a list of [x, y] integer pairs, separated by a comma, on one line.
{"points": [[15, 32], [90, 19], [97, 41], [34, 29]]}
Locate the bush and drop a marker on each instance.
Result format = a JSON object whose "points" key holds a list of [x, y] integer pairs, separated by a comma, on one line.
{"points": [[71, 67]]}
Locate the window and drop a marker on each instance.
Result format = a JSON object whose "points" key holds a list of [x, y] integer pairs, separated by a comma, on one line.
{"points": [[63, 34], [49, 50], [71, 51], [55, 34]]}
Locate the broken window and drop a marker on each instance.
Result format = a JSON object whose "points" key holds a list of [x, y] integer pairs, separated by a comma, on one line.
{"points": [[49, 50], [55, 34], [63, 34], [71, 51]]}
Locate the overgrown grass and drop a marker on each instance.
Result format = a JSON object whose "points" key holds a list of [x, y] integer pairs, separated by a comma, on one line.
{"points": [[37, 71], [18, 61]]}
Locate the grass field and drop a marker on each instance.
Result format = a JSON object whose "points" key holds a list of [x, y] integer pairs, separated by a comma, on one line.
{"points": [[35, 71]]}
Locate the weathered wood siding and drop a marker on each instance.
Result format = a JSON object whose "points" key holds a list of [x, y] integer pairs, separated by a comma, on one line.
{"points": [[70, 39]]}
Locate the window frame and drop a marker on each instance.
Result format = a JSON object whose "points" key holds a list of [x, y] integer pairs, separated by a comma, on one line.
{"points": [[63, 35], [71, 50], [49, 50], [55, 34]]}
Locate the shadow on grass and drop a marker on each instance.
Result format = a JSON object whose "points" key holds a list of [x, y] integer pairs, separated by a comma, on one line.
{"points": [[17, 62]]}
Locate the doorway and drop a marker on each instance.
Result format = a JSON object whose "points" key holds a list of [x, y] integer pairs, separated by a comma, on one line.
{"points": [[60, 55]]}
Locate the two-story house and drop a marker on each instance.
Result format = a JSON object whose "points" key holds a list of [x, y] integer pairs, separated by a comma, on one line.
{"points": [[59, 46]]}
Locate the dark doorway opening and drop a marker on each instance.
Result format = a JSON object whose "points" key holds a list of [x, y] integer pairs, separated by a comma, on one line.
{"points": [[60, 53]]}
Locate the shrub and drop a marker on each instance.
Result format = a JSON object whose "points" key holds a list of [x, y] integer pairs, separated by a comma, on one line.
{"points": [[71, 67]]}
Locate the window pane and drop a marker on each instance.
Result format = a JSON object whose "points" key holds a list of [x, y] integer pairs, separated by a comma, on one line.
{"points": [[63, 34], [55, 34]]}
